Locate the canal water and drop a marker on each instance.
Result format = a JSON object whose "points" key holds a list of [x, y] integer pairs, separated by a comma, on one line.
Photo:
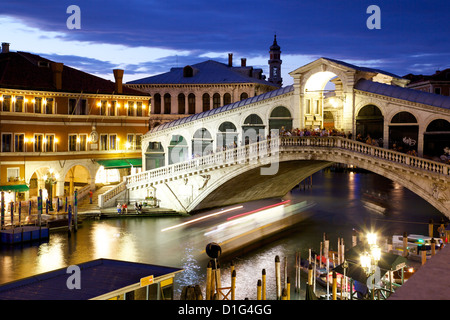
{"points": [[339, 207]]}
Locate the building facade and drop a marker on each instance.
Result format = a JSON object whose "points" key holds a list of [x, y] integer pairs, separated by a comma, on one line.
{"points": [[438, 83], [61, 128], [204, 86]]}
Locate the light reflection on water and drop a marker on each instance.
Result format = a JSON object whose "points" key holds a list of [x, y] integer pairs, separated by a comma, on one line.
{"points": [[339, 209]]}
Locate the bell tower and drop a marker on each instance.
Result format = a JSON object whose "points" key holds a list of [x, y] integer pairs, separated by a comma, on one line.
{"points": [[275, 64]]}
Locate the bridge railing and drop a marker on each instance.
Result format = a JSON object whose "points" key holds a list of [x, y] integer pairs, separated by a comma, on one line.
{"points": [[227, 157], [263, 148], [363, 148]]}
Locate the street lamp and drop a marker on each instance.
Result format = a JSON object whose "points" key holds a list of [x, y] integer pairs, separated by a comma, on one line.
{"points": [[369, 259]]}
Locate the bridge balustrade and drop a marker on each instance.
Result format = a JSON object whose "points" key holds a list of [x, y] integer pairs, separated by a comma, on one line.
{"points": [[262, 149]]}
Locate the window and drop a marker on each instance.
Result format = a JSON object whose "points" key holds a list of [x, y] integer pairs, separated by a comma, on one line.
{"points": [[130, 141], [82, 142], [317, 107], [49, 142], [38, 105], [103, 142], [19, 142], [113, 109], [437, 90], [157, 103], [226, 99], [181, 103], [72, 106], [6, 99], [112, 142], [13, 174], [19, 104], [191, 103], [216, 100], [49, 105], [131, 106], [138, 141], [6, 142], [72, 142], [206, 105], [38, 142], [103, 107], [83, 106], [139, 108], [167, 103], [244, 95], [308, 107]]}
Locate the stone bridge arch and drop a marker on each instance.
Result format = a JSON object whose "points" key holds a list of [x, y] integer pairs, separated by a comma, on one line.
{"points": [[211, 183]]}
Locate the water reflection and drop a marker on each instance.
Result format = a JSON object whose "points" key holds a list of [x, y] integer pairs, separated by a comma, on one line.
{"points": [[339, 209]]}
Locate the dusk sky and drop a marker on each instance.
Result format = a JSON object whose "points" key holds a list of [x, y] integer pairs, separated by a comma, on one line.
{"points": [[148, 37]]}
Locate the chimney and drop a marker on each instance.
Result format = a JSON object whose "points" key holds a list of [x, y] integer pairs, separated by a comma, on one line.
{"points": [[118, 75], [243, 62], [57, 69], [230, 59], [5, 47]]}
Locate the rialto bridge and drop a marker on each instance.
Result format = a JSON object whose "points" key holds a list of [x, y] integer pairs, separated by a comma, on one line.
{"points": [[240, 152]]}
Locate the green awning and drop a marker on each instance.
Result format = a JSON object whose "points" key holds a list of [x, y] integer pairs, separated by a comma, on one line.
{"points": [[15, 188], [120, 163]]}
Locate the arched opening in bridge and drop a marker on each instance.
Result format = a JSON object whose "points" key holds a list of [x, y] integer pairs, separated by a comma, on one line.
{"points": [[369, 123], [436, 138], [202, 143], [178, 149], [154, 156], [403, 132], [280, 119], [227, 136], [252, 127], [323, 92]]}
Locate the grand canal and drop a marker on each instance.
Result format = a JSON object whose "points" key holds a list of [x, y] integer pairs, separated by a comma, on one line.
{"points": [[338, 209]]}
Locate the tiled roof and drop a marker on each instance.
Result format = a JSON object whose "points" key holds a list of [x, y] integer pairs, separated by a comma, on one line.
{"points": [[407, 94], [227, 107], [363, 68], [23, 70], [207, 72], [98, 277]]}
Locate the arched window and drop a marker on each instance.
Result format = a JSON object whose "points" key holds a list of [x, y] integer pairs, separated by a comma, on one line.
{"points": [[280, 119], [206, 102], [202, 142], [244, 95], [226, 99], [370, 122], [227, 136], [156, 103], [167, 103], [252, 129], [216, 100], [191, 103], [181, 104], [403, 132], [404, 117], [436, 138]]}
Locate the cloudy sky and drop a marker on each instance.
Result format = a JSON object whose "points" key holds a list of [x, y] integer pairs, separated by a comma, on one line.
{"points": [[147, 37]]}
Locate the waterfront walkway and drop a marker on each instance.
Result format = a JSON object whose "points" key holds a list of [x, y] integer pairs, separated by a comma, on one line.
{"points": [[430, 282]]}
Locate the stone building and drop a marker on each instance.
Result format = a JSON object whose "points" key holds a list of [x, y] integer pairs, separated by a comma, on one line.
{"points": [[206, 85]]}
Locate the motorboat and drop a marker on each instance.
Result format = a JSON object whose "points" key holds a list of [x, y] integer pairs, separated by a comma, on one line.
{"points": [[416, 243]]}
